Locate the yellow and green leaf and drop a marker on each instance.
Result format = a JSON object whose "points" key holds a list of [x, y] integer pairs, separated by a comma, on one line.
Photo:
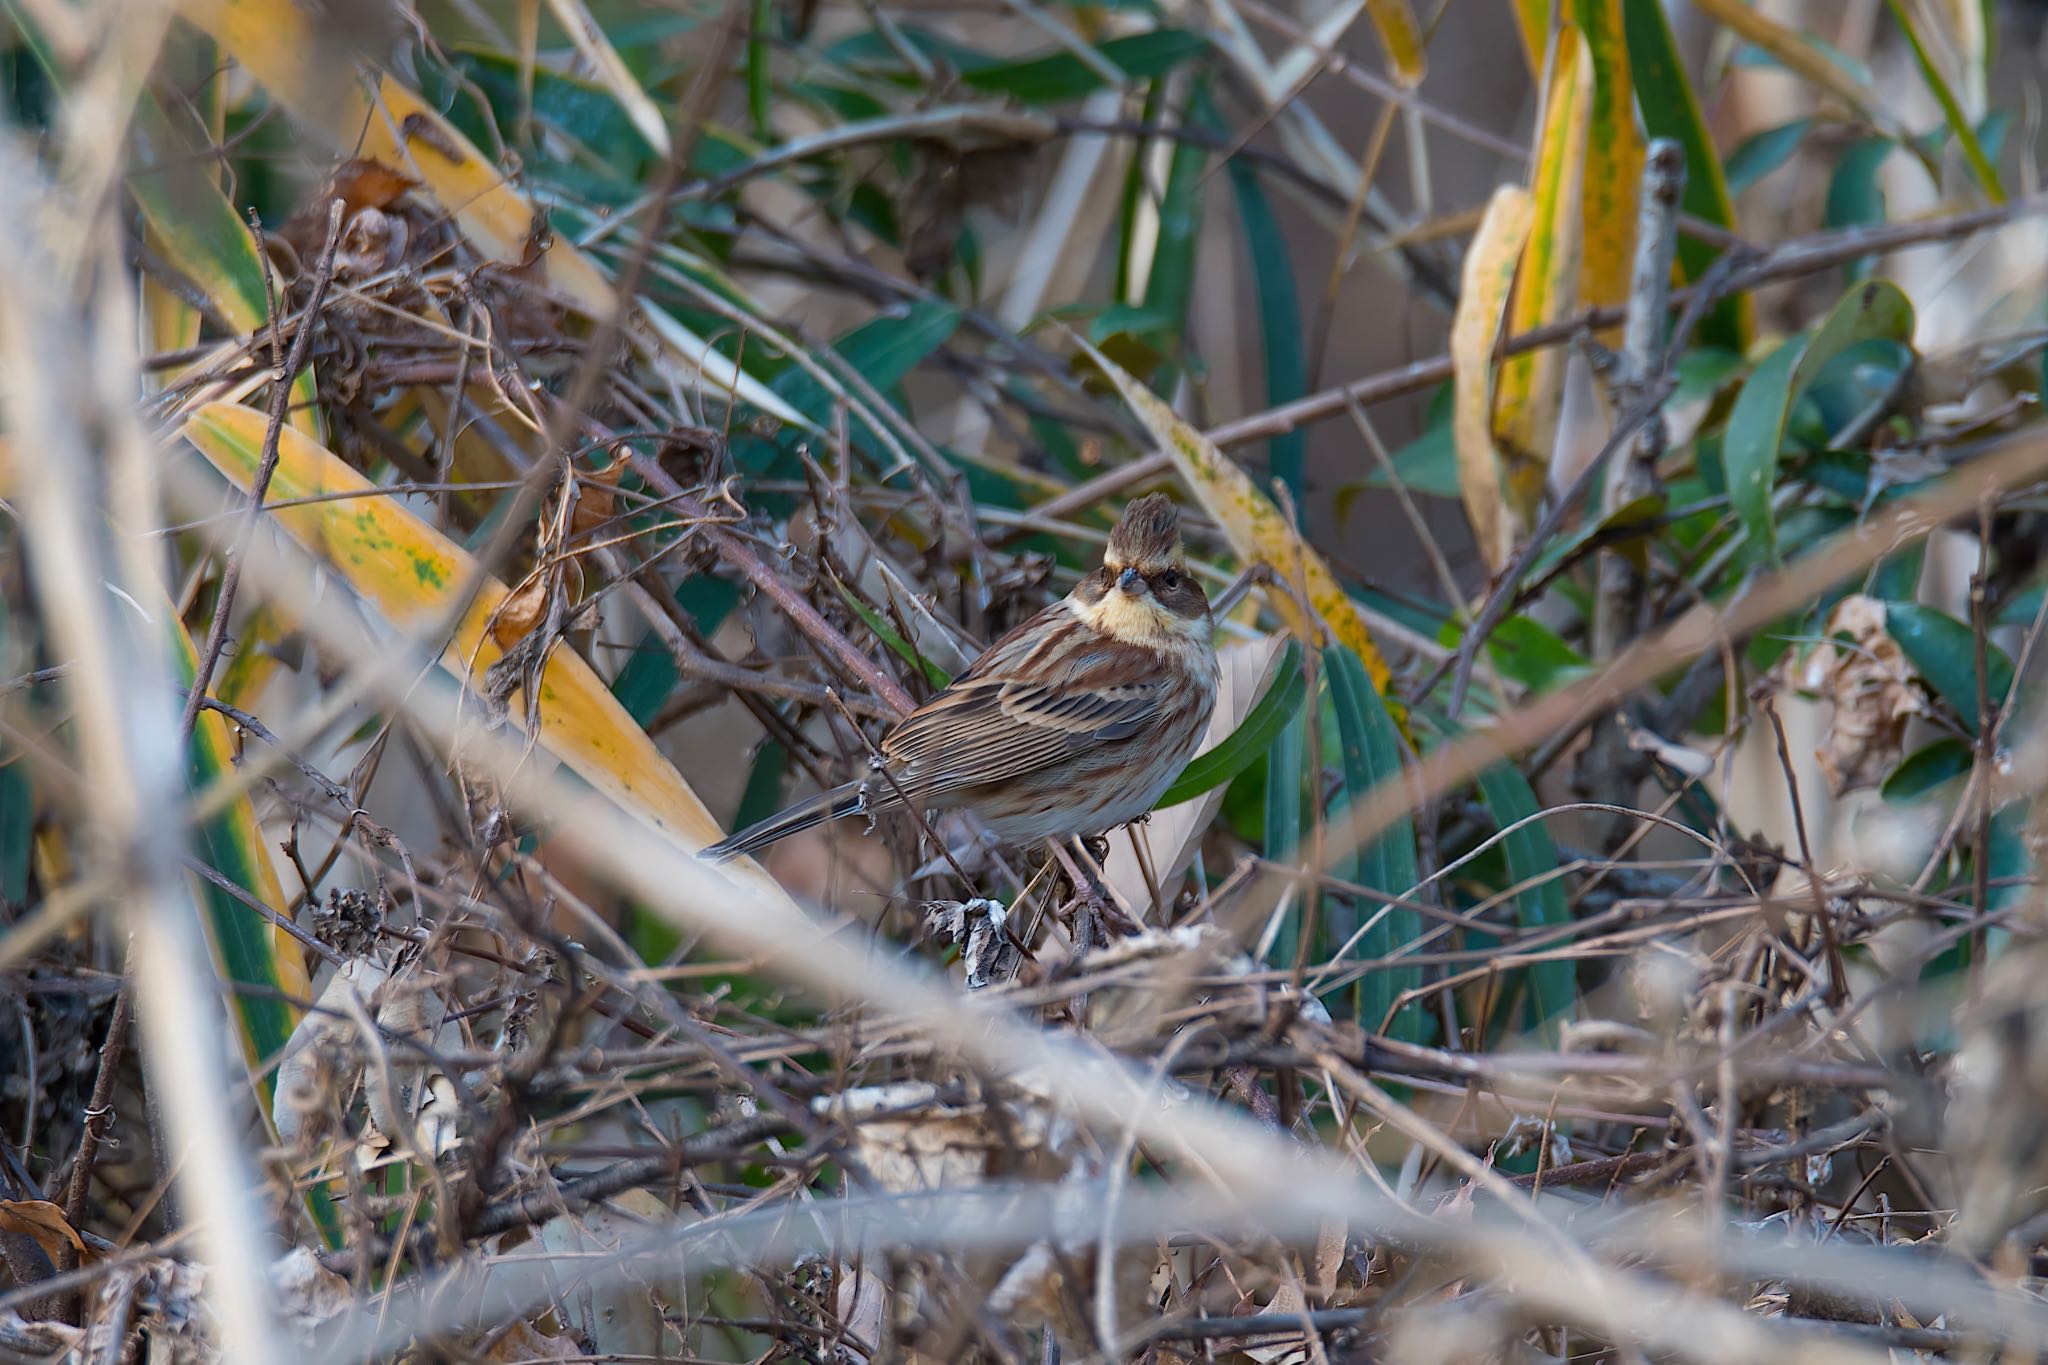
{"points": [[1530, 390], [413, 575], [1401, 39], [250, 950], [1475, 331], [1671, 109], [1614, 159], [1252, 524]]}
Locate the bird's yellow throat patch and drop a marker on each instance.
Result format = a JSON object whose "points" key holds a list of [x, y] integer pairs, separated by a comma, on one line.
{"points": [[1139, 620]]}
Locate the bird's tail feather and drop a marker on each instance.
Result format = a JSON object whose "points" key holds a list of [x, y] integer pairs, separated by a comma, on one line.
{"points": [[826, 805]]}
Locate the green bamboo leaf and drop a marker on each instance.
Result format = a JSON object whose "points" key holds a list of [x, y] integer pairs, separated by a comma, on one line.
{"points": [[1283, 820], [1279, 323], [1059, 77], [1371, 748], [1921, 771], [1531, 859], [1249, 742], [1952, 111], [650, 674], [1756, 425], [757, 69], [1671, 109], [883, 351], [17, 828]]}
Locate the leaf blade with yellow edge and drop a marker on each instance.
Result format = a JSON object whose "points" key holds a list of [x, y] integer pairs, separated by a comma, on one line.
{"points": [[412, 574], [1250, 521], [1475, 329], [1530, 389], [1614, 160], [249, 950]]}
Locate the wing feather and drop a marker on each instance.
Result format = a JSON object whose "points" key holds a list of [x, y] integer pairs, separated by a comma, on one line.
{"points": [[1002, 719]]}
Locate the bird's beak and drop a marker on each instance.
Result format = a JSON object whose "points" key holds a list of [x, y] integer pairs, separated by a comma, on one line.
{"points": [[1131, 581]]}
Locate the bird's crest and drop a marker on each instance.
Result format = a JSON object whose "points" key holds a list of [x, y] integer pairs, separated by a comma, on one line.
{"points": [[1148, 536]]}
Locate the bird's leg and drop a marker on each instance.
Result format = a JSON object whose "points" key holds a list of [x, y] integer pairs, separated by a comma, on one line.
{"points": [[1097, 918]]}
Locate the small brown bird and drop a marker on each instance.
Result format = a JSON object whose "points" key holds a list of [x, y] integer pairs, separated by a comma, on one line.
{"points": [[1073, 723]]}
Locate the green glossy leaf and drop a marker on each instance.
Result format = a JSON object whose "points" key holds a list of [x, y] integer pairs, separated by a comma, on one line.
{"points": [[1429, 463], [1756, 426], [1921, 771], [1943, 651], [883, 351], [1531, 855], [2022, 607], [1061, 76], [650, 675], [1896, 577], [1246, 744], [1534, 655], [765, 781], [565, 106], [17, 828], [1762, 153], [1671, 109], [2009, 867], [1855, 194], [890, 636], [1371, 748]]}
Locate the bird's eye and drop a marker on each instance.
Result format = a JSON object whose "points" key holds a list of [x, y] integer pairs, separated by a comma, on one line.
{"points": [[1169, 580]]}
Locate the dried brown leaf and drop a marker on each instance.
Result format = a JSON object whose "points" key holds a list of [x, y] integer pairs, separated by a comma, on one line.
{"points": [[44, 1221], [1861, 669]]}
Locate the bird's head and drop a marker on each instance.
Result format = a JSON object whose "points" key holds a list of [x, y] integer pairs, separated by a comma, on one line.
{"points": [[1143, 591]]}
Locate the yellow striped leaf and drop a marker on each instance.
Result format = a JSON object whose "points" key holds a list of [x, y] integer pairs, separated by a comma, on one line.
{"points": [[1614, 159], [248, 949], [1252, 524], [1482, 303], [1531, 386], [412, 574]]}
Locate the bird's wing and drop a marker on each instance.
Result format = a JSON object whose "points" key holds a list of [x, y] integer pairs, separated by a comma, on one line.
{"points": [[1042, 694]]}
